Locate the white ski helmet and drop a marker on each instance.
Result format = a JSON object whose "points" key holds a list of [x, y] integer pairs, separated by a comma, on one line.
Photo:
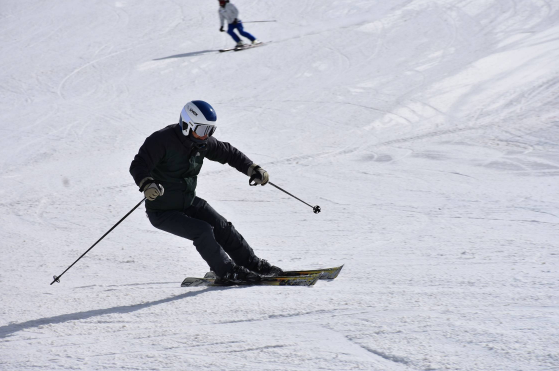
{"points": [[199, 117]]}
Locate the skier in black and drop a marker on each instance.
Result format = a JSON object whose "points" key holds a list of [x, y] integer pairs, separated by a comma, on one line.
{"points": [[166, 169]]}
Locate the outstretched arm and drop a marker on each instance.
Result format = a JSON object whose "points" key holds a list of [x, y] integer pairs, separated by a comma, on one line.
{"points": [[225, 153]]}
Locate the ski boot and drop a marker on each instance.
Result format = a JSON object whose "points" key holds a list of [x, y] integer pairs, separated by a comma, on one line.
{"points": [[264, 268], [239, 45], [256, 42], [237, 276]]}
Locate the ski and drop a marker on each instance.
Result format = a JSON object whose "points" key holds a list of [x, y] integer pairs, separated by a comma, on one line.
{"points": [[245, 47], [303, 280], [323, 274]]}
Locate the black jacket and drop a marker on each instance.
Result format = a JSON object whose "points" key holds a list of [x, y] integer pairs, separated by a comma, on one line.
{"points": [[174, 161]]}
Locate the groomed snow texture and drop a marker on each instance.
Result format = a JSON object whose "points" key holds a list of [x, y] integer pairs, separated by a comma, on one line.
{"points": [[427, 131]]}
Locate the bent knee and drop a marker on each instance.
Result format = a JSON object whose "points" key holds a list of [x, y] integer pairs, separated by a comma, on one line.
{"points": [[205, 230]]}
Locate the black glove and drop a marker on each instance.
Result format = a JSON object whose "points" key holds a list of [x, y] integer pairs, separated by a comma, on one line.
{"points": [[221, 29], [235, 21], [257, 175]]}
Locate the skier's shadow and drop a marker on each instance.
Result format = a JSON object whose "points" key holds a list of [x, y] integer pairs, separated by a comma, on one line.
{"points": [[187, 54], [15, 327]]}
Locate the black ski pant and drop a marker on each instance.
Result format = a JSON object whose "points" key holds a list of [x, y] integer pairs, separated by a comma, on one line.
{"points": [[214, 237]]}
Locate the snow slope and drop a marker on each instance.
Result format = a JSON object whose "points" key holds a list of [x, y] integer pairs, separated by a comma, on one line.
{"points": [[427, 130]]}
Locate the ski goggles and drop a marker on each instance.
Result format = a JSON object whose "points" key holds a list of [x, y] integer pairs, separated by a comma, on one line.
{"points": [[200, 129]]}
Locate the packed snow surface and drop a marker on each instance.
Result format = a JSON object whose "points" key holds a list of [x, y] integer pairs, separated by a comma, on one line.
{"points": [[427, 131]]}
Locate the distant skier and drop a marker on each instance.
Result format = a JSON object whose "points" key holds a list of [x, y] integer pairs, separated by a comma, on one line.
{"points": [[229, 12], [166, 169]]}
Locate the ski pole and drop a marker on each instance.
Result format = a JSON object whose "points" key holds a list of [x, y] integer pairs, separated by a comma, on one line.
{"points": [[57, 278], [258, 21], [315, 209]]}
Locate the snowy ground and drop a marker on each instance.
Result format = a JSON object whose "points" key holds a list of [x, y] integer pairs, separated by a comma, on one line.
{"points": [[427, 130]]}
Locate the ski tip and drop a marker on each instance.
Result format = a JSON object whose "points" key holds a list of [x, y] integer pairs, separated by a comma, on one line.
{"points": [[331, 274]]}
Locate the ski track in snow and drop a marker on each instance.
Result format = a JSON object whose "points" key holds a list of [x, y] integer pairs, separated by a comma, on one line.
{"points": [[427, 131]]}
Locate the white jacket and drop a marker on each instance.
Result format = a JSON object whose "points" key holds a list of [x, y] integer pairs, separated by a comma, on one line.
{"points": [[229, 12]]}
